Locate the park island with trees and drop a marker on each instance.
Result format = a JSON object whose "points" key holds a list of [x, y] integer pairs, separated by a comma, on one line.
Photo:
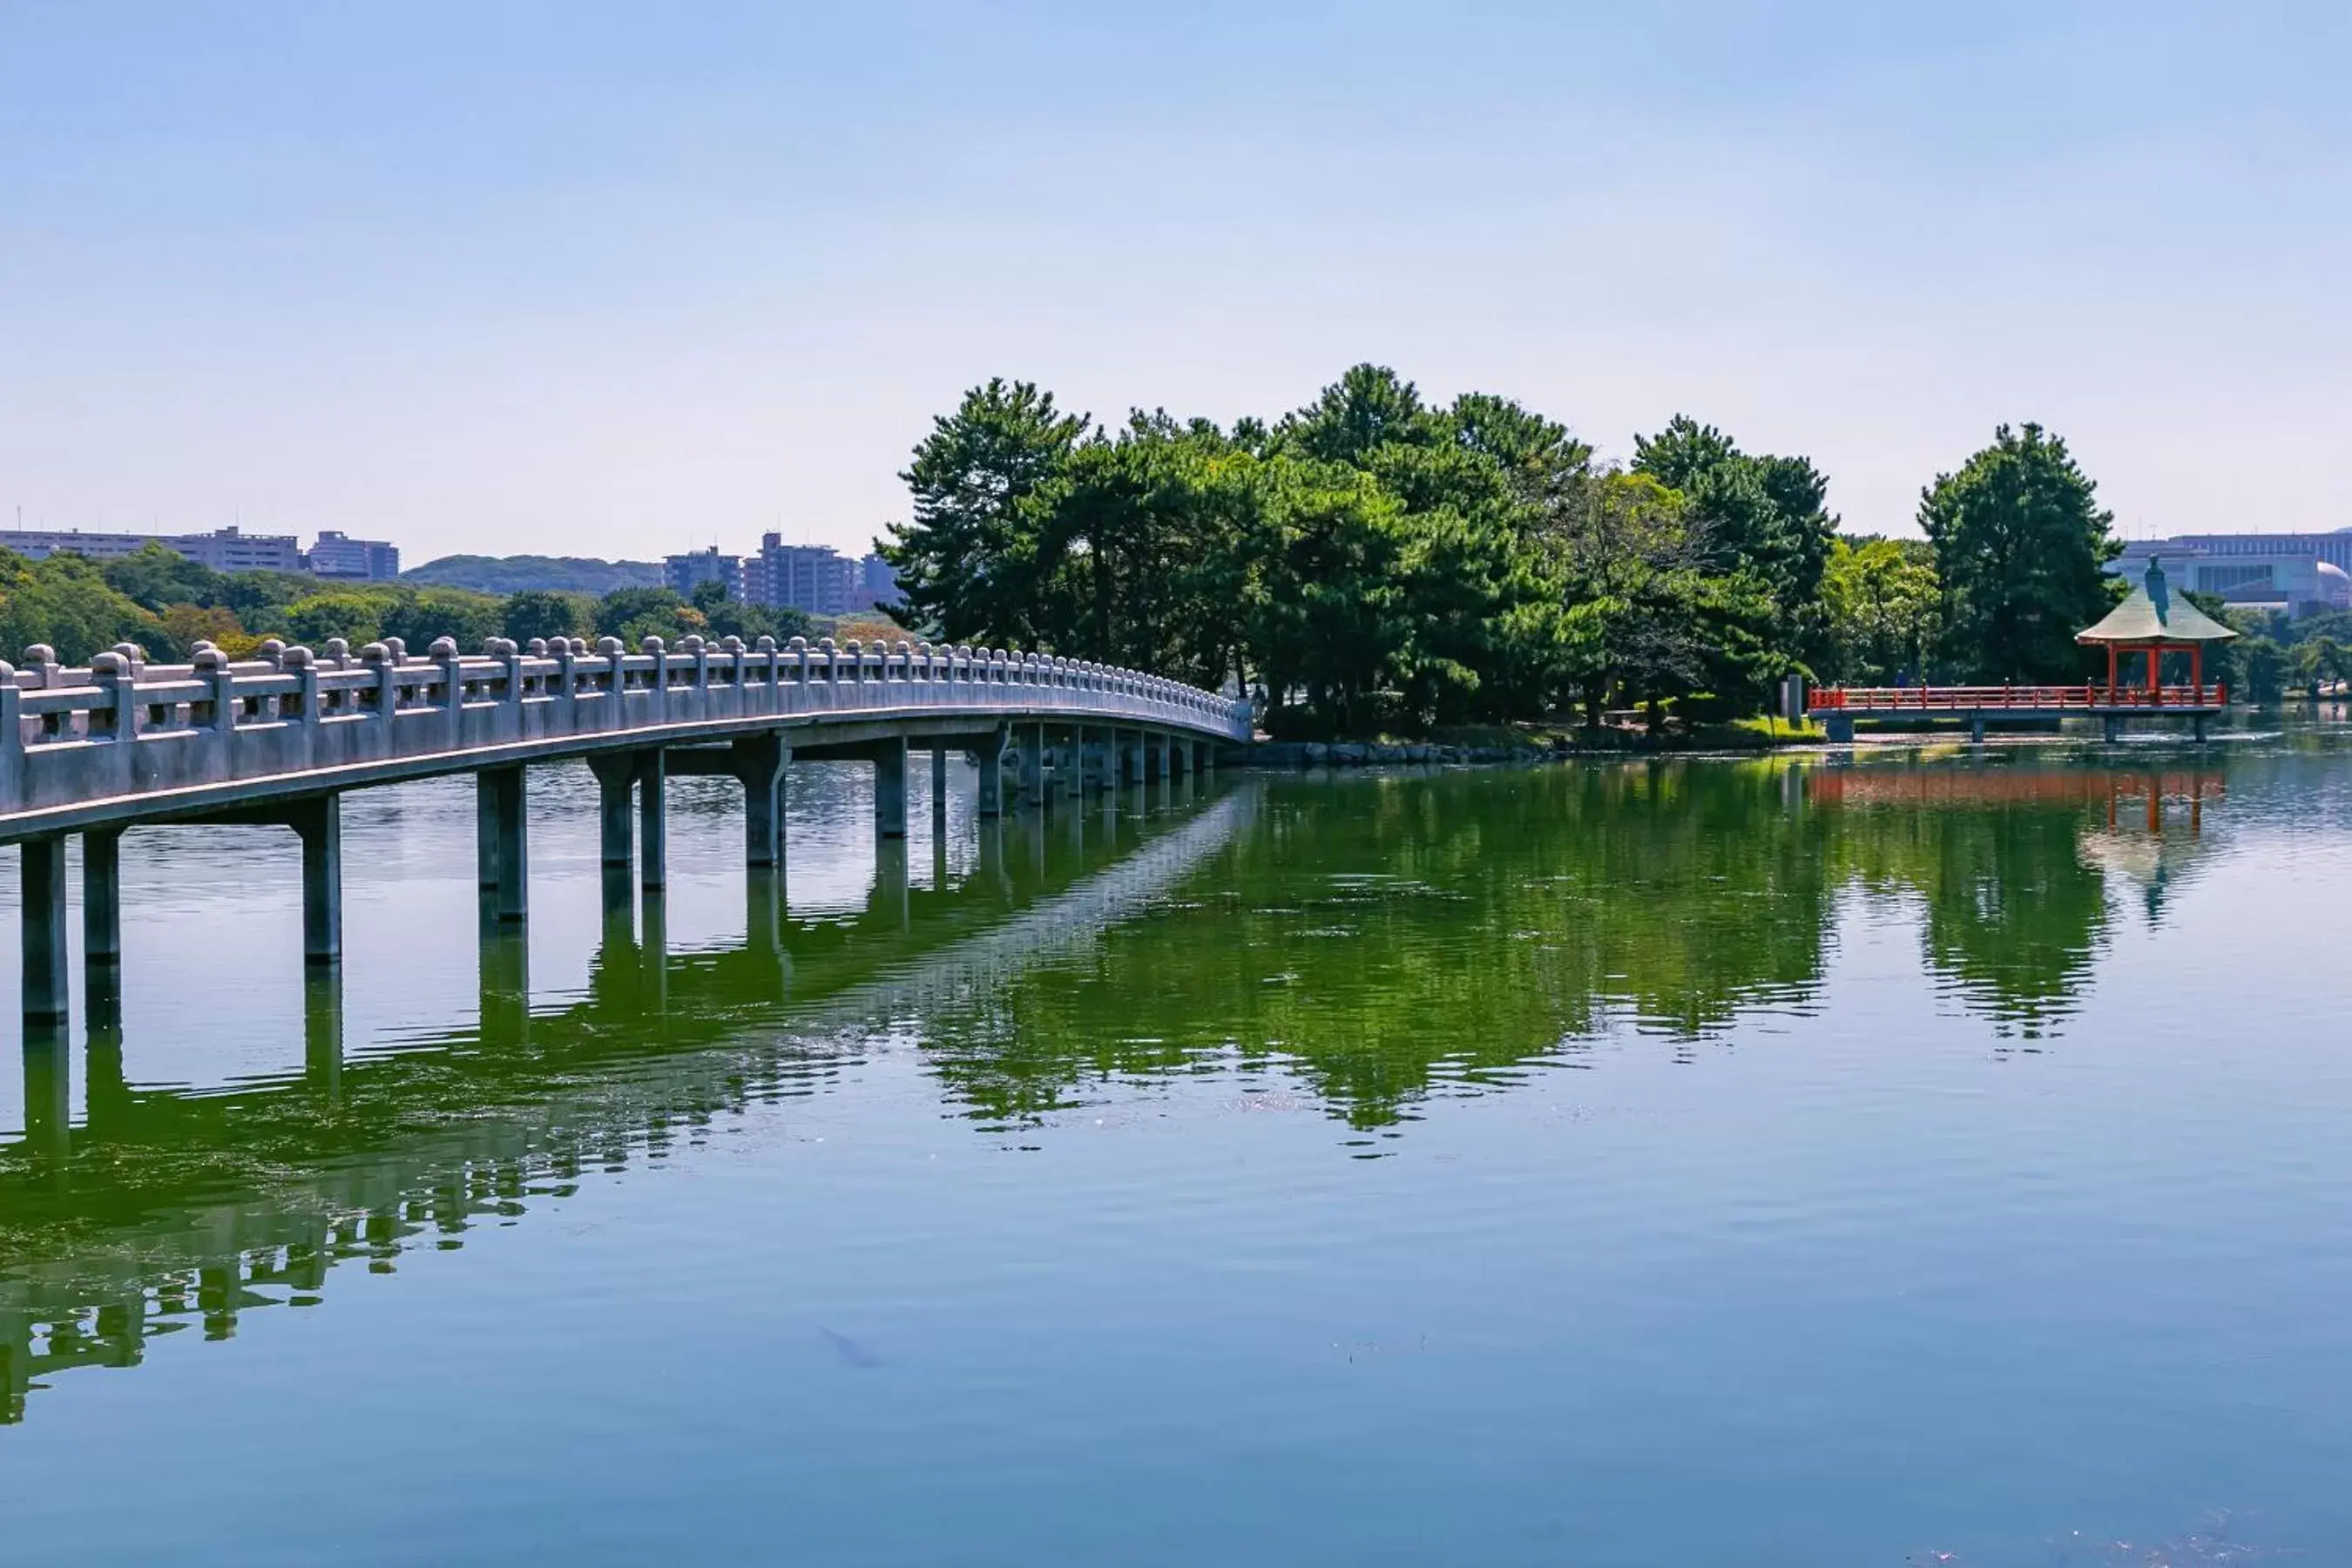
{"points": [[1377, 563]]}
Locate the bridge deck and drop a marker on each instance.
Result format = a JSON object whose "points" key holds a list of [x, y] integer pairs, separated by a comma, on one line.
{"points": [[123, 741]]}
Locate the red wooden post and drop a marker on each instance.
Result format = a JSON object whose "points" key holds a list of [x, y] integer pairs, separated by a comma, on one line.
{"points": [[2196, 670], [2111, 671]]}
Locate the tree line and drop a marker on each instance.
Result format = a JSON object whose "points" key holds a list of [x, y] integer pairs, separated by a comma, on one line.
{"points": [[166, 603], [1376, 562]]}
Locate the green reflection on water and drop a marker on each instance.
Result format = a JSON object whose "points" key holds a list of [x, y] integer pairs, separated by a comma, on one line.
{"points": [[1369, 940]]}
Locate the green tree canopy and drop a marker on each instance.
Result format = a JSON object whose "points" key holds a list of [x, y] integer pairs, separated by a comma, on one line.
{"points": [[967, 561], [1761, 515], [1883, 608], [546, 613], [2020, 541]]}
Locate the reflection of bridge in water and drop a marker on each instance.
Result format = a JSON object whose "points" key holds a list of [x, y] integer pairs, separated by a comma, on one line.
{"points": [[167, 1210], [1913, 787]]}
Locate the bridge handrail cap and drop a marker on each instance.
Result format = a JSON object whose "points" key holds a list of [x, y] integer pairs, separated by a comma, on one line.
{"points": [[299, 658], [538, 646], [923, 647], [398, 647], [271, 649], [798, 645], [853, 646], [690, 643], [652, 643], [609, 647], [207, 658], [443, 648], [904, 646], [130, 650], [110, 665], [338, 650], [765, 645], [730, 643], [40, 653], [375, 653]]}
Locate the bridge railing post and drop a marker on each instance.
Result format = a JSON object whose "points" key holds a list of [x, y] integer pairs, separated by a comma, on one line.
{"points": [[111, 676], [12, 738], [451, 665], [796, 665], [653, 648], [511, 705]]}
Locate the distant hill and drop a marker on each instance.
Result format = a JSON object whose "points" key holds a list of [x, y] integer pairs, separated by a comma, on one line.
{"points": [[514, 573]]}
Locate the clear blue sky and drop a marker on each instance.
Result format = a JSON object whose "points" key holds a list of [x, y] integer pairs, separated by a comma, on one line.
{"points": [[611, 280]]}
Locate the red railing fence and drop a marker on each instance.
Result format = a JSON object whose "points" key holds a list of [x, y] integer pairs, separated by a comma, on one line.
{"points": [[2088, 696]]}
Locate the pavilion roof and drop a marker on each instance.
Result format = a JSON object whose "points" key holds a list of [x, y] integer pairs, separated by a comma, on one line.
{"points": [[2150, 614]]}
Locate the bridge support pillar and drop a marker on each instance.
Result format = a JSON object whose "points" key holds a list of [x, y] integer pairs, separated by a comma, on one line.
{"points": [[992, 775], [319, 822], [2197, 727], [1976, 728], [1066, 780], [939, 784], [616, 773], [1130, 756], [1840, 728], [2112, 727], [890, 789], [502, 841], [102, 922], [48, 994], [760, 763], [1032, 745], [653, 820]]}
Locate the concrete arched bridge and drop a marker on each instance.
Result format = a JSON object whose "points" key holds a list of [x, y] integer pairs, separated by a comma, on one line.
{"points": [[277, 739]]}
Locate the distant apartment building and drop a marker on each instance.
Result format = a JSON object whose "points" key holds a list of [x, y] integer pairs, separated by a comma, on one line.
{"points": [[811, 577], [2291, 574], [685, 573], [337, 554], [815, 578], [223, 550]]}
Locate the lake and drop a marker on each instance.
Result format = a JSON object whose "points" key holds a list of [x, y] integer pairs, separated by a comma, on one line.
{"points": [[1821, 1160]]}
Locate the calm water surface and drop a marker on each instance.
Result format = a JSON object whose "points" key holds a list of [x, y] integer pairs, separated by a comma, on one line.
{"points": [[1706, 1162]]}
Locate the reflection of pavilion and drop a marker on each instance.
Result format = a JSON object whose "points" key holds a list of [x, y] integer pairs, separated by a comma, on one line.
{"points": [[2153, 837], [103, 1253]]}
